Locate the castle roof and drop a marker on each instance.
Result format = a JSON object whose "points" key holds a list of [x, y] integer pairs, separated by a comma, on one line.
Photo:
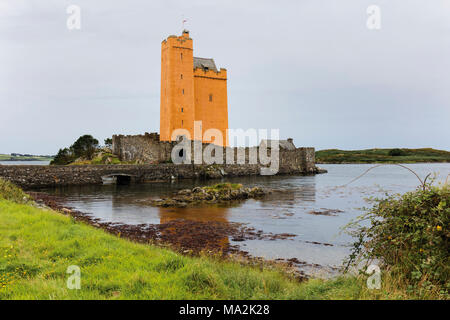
{"points": [[284, 144], [205, 64]]}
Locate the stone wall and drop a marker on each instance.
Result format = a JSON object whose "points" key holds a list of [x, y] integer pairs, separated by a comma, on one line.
{"points": [[147, 149], [29, 176], [144, 148]]}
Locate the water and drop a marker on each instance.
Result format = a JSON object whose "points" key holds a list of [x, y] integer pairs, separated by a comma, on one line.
{"points": [[24, 163], [281, 212]]}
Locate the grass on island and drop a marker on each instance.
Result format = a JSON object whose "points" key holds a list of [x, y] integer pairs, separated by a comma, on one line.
{"points": [[382, 156], [100, 158], [37, 246], [224, 187]]}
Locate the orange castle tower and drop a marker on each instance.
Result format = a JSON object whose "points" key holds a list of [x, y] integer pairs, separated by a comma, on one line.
{"points": [[192, 89]]}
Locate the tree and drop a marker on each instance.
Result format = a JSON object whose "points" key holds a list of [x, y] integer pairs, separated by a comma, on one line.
{"points": [[396, 152], [85, 146], [64, 156], [108, 142]]}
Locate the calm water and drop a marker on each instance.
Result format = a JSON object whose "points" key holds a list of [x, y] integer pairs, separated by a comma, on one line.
{"points": [[281, 212]]}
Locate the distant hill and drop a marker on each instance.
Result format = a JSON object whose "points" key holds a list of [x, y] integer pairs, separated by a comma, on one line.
{"points": [[27, 157], [382, 156]]}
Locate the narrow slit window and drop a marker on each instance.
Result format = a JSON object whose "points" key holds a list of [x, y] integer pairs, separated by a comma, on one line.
{"points": [[210, 97], [181, 109], [181, 56], [182, 122], [181, 76], [183, 91]]}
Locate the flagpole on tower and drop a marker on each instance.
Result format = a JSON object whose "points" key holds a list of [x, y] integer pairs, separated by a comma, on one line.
{"points": [[184, 20]]}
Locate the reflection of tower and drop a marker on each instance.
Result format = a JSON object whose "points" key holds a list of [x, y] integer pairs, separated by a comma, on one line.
{"points": [[218, 214], [203, 226]]}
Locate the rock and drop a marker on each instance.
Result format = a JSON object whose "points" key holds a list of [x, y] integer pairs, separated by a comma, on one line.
{"points": [[182, 205], [185, 192], [222, 192]]}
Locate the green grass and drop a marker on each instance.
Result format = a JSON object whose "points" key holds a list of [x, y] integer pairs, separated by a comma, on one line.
{"points": [[101, 158], [381, 156], [37, 246], [224, 186]]}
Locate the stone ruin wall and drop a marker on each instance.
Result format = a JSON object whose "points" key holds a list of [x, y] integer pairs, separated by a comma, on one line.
{"points": [[142, 149], [147, 149]]}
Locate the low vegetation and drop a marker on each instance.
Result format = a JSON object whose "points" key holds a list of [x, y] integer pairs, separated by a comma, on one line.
{"points": [[83, 148], [9, 191], [409, 236], [86, 150], [15, 157], [218, 193], [38, 245], [100, 157], [382, 156]]}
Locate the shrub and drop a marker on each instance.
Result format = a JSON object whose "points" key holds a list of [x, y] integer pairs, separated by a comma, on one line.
{"points": [[64, 156], [108, 142], [85, 148], [396, 152], [409, 236], [11, 192]]}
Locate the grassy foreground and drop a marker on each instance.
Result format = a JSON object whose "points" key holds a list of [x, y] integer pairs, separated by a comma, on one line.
{"points": [[37, 246], [382, 156]]}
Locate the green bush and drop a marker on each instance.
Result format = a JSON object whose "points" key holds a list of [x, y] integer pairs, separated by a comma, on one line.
{"points": [[409, 236], [84, 147], [64, 156], [396, 152], [11, 192]]}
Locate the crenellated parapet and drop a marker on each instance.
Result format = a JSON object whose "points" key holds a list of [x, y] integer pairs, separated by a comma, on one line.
{"points": [[183, 41], [211, 74]]}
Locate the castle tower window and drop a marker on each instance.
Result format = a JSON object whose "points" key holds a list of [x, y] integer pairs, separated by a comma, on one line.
{"points": [[181, 109], [181, 56], [182, 122], [183, 91], [210, 97], [181, 76]]}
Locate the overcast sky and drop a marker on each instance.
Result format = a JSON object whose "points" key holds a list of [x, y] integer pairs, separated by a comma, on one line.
{"points": [[311, 68]]}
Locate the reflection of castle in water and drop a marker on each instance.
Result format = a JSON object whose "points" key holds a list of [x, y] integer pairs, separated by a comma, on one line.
{"points": [[206, 227], [218, 214]]}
